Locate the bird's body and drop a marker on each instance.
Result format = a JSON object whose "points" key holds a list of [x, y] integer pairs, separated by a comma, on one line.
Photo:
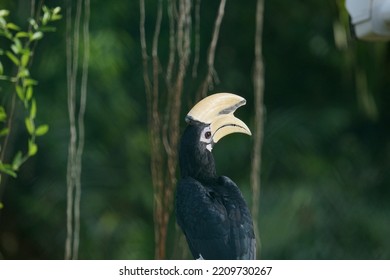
{"points": [[210, 209]]}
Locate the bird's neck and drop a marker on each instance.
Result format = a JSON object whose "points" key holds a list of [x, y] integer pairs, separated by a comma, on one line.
{"points": [[197, 163]]}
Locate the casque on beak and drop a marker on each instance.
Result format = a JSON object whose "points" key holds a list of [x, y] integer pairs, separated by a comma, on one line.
{"points": [[217, 110]]}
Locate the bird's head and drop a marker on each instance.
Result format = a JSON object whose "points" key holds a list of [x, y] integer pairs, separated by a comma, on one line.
{"points": [[214, 118]]}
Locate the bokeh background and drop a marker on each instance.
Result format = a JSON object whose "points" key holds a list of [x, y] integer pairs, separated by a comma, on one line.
{"points": [[325, 159]]}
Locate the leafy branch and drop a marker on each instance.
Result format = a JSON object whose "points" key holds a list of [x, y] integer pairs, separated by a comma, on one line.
{"points": [[20, 53]]}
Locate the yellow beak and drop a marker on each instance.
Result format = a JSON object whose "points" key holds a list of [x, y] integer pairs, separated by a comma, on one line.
{"points": [[217, 110]]}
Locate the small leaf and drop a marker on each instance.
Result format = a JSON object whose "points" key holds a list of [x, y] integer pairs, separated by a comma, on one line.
{"points": [[15, 49], [29, 82], [29, 93], [20, 92], [18, 160], [29, 126], [42, 130], [13, 58], [4, 13], [56, 10], [25, 58], [23, 72], [33, 23], [46, 17], [1, 68], [33, 109], [4, 132], [13, 26], [56, 17], [36, 36], [1, 205], [3, 114], [32, 148], [22, 34], [6, 168]]}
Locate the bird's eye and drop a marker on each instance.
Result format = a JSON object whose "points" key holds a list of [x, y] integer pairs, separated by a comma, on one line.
{"points": [[207, 135]]}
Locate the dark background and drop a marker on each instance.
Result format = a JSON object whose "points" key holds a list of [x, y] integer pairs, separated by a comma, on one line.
{"points": [[326, 154]]}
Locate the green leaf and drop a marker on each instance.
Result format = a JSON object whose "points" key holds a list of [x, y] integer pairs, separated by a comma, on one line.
{"points": [[36, 36], [1, 68], [23, 72], [25, 58], [33, 23], [4, 13], [7, 169], [22, 34], [33, 109], [13, 58], [29, 125], [1, 205], [56, 10], [29, 93], [42, 130], [13, 26], [46, 17], [32, 148], [20, 92], [4, 131], [3, 114], [18, 161], [56, 17], [29, 82]]}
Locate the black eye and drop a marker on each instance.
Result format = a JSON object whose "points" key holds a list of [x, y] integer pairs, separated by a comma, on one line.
{"points": [[207, 135]]}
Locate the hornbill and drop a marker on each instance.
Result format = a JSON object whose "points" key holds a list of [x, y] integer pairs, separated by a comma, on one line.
{"points": [[210, 209]]}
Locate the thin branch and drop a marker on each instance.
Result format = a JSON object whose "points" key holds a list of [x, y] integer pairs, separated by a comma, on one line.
{"points": [[197, 39], [172, 47], [211, 73], [76, 143], [258, 83], [81, 130], [69, 176]]}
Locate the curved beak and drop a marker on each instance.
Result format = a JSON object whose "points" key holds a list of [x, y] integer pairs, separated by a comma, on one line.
{"points": [[217, 110]]}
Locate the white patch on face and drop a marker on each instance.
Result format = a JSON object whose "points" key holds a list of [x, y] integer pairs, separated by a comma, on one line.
{"points": [[200, 257], [206, 137]]}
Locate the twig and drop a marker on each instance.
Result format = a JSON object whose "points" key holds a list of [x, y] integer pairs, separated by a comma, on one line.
{"points": [[197, 39], [211, 73], [258, 83]]}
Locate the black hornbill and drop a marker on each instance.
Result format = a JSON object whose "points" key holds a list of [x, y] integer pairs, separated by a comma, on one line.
{"points": [[210, 209]]}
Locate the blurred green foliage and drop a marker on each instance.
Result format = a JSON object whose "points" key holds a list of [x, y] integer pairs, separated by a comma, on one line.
{"points": [[326, 155]]}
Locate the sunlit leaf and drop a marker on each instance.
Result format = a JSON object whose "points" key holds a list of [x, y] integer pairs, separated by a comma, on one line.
{"points": [[4, 13], [29, 125], [4, 132], [56, 10], [22, 34], [1, 68], [32, 148], [13, 58], [3, 114], [29, 92], [25, 58], [29, 82], [18, 160], [20, 92], [7, 169], [42, 130], [13, 26], [33, 109], [36, 36]]}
